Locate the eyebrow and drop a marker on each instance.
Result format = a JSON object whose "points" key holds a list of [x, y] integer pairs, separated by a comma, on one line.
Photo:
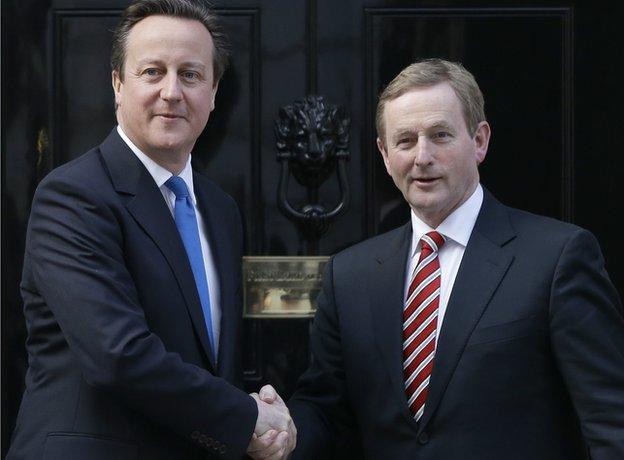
{"points": [[440, 124], [193, 65], [403, 132], [187, 64]]}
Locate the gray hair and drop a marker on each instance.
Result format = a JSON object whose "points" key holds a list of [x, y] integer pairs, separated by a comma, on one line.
{"points": [[430, 72]]}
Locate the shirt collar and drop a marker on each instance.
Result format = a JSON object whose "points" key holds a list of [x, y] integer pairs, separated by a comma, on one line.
{"points": [[158, 173], [457, 226]]}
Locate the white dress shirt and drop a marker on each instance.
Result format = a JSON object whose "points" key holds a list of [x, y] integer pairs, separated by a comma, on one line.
{"points": [[162, 175], [457, 228]]}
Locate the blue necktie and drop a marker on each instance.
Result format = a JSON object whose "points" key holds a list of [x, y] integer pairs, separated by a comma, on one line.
{"points": [[184, 214]]}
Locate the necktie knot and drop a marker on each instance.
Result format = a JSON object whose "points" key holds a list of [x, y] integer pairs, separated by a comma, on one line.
{"points": [[177, 185], [432, 241]]}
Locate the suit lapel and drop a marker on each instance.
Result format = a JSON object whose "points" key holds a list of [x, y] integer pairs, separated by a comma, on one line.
{"points": [[147, 206], [217, 237], [483, 266], [387, 281]]}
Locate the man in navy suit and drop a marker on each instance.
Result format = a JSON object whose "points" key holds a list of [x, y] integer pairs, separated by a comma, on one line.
{"points": [[131, 283], [475, 331]]}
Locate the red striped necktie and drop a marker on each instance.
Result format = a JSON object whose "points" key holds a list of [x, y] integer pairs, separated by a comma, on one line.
{"points": [[420, 320]]}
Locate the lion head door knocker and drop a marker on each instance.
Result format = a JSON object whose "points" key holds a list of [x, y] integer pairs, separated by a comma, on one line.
{"points": [[312, 141]]}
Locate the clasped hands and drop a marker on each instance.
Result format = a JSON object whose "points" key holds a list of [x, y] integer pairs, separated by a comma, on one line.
{"points": [[275, 434]]}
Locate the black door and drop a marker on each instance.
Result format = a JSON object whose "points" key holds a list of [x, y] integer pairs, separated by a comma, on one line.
{"points": [[551, 75]]}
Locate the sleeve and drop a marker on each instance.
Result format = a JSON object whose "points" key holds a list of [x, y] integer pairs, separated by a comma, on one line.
{"points": [[587, 337], [76, 250], [319, 405]]}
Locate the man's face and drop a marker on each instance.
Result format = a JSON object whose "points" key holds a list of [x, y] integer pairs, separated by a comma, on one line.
{"points": [[429, 153], [167, 92]]}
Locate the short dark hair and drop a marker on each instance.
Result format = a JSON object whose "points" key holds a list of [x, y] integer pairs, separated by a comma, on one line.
{"points": [[186, 9]]}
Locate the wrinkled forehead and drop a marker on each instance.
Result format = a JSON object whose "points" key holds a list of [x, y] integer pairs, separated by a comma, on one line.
{"points": [[437, 104], [158, 33]]}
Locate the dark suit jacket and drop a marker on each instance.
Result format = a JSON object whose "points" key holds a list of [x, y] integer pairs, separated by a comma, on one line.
{"points": [[529, 362], [119, 363]]}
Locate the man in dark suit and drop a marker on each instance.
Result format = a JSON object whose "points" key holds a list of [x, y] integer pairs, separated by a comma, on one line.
{"points": [[131, 280], [476, 331]]}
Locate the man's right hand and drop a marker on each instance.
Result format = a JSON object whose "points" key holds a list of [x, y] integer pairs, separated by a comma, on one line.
{"points": [[275, 434], [272, 414]]}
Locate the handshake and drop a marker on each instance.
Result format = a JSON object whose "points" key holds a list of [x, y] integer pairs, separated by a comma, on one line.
{"points": [[275, 434]]}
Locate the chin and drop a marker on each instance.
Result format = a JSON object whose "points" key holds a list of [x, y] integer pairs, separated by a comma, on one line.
{"points": [[169, 143], [423, 200]]}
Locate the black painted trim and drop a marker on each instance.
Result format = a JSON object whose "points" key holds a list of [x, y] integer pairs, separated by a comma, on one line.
{"points": [[567, 166]]}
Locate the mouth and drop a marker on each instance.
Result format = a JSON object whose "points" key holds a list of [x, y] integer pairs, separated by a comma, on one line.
{"points": [[169, 116], [425, 180]]}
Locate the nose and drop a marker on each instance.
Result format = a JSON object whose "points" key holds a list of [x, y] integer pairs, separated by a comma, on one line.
{"points": [[171, 90], [314, 147], [423, 154]]}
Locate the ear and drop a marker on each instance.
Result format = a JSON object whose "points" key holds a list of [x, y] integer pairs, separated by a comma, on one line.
{"points": [[215, 87], [381, 145], [482, 140], [117, 84]]}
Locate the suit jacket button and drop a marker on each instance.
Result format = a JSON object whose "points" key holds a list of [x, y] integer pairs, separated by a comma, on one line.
{"points": [[423, 438], [223, 449], [195, 435]]}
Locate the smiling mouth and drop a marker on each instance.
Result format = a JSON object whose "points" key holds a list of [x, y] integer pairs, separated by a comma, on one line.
{"points": [[170, 116], [425, 180]]}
